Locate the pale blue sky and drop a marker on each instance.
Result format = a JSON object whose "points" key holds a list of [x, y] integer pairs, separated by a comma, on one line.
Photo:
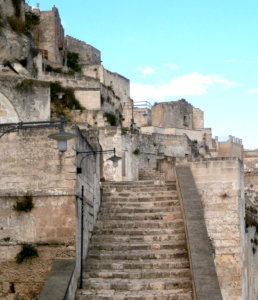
{"points": [[205, 51]]}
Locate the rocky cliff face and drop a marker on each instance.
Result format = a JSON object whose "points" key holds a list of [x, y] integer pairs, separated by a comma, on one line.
{"points": [[17, 45]]}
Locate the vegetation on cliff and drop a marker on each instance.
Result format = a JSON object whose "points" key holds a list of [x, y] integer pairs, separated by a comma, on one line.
{"points": [[64, 104]]}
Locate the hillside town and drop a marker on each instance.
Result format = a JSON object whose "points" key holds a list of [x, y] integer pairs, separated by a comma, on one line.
{"points": [[106, 197]]}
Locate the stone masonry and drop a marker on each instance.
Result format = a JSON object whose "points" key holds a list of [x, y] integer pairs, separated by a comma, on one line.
{"points": [[138, 249]]}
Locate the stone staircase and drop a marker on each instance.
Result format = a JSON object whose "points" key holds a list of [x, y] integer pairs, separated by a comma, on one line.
{"points": [[138, 249]]}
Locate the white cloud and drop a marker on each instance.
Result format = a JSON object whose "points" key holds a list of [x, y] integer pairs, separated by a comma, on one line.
{"points": [[146, 70], [171, 66], [229, 60], [189, 84], [252, 91], [219, 79], [248, 62]]}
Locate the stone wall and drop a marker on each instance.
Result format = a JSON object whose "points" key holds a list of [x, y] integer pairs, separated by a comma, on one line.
{"points": [[21, 104], [50, 35], [89, 178], [221, 185], [142, 116], [31, 165], [198, 120], [194, 135], [231, 148], [251, 263], [88, 55], [119, 84], [251, 180], [174, 114]]}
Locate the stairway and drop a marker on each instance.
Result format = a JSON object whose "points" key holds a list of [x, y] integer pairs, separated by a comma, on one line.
{"points": [[151, 174], [138, 249]]}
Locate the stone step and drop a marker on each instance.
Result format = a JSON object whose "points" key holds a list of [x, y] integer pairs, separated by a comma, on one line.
{"points": [[134, 183], [138, 254], [146, 194], [139, 198], [138, 273], [178, 294], [144, 224], [171, 214], [136, 204], [139, 210], [137, 238], [179, 244], [137, 284], [146, 264], [139, 231], [142, 188]]}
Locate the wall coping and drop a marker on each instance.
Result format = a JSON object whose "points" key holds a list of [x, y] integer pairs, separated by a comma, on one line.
{"points": [[205, 281]]}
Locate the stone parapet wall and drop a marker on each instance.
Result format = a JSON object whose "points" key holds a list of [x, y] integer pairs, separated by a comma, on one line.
{"points": [[23, 104], [199, 135], [220, 183], [75, 81]]}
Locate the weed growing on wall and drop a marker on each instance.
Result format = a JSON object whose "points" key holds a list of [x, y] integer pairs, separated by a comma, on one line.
{"points": [[111, 119], [17, 24], [24, 204], [65, 105], [26, 85], [136, 151], [73, 61], [27, 253]]}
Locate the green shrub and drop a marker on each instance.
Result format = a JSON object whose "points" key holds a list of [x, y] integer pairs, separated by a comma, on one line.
{"points": [[28, 252], [124, 130], [65, 105], [16, 24], [52, 69], [136, 151], [6, 239], [111, 119], [73, 61], [31, 20], [26, 85], [24, 204]]}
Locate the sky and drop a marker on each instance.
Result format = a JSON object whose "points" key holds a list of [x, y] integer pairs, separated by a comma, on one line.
{"points": [[205, 51]]}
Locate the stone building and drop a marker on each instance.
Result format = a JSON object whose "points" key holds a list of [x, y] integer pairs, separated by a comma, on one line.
{"points": [[177, 114], [49, 36], [165, 136]]}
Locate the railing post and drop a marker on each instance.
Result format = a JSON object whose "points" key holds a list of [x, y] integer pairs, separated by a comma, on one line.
{"points": [[82, 229]]}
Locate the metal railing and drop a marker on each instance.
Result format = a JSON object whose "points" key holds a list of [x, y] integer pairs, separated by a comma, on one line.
{"points": [[142, 104]]}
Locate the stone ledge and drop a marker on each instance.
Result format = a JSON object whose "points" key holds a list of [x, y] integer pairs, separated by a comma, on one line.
{"points": [[205, 279], [57, 283]]}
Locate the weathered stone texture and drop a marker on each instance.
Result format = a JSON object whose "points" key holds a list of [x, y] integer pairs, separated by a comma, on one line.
{"points": [[176, 114], [88, 55], [230, 148], [142, 116], [220, 183], [251, 263], [50, 35], [21, 104], [32, 165]]}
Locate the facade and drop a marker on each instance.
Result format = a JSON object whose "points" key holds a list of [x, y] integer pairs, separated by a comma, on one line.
{"points": [[161, 136]]}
